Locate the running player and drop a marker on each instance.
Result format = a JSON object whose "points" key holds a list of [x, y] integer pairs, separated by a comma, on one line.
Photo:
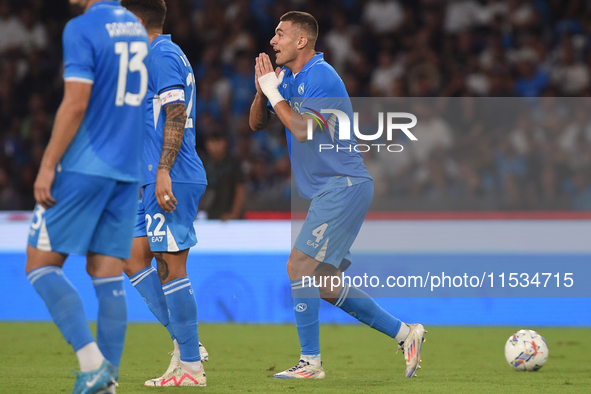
{"points": [[173, 183], [338, 183], [86, 188]]}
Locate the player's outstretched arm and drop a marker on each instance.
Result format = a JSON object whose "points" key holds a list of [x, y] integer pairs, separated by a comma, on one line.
{"points": [[269, 81], [259, 114], [67, 122], [174, 128]]}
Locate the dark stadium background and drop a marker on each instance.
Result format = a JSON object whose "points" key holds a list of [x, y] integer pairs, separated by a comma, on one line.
{"points": [[510, 186], [402, 48]]}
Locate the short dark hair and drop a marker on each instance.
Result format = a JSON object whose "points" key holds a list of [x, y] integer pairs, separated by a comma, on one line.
{"points": [[304, 21], [151, 12]]}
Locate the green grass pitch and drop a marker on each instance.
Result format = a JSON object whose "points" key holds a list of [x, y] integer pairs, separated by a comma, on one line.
{"points": [[36, 359]]}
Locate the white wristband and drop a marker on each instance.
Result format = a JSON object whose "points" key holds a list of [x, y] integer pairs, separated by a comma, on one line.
{"points": [[269, 84], [274, 97]]}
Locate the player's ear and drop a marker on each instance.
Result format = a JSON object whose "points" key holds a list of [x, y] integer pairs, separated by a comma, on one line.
{"points": [[302, 42]]}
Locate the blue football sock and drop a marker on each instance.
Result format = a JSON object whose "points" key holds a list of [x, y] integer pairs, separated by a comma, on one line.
{"points": [[148, 284], [183, 317], [306, 301], [361, 306], [112, 317], [64, 304]]}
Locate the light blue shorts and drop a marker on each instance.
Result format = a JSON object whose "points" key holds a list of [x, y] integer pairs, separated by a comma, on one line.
{"points": [[169, 231], [333, 222], [91, 214]]}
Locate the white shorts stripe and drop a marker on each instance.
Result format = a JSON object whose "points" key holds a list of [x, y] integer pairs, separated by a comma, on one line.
{"points": [[172, 246]]}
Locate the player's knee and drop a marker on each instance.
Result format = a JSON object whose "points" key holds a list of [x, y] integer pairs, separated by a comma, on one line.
{"points": [[328, 294], [289, 268], [128, 269]]}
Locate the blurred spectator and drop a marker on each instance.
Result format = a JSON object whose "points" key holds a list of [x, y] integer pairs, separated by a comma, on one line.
{"points": [[338, 41], [10, 27], [242, 83], [9, 199], [432, 132], [33, 36], [531, 81], [460, 15], [207, 102], [571, 75], [384, 75], [382, 16], [474, 151], [225, 195]]}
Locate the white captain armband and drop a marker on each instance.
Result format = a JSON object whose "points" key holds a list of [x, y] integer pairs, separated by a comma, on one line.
{"points": [[172, 96]]}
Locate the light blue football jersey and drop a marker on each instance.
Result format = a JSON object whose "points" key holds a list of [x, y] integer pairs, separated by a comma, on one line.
{"points": [[108, 47], [314, 171], [171, 80]]}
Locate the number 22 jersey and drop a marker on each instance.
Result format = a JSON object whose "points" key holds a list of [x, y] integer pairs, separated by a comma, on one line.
{"points": [[171, 81]]}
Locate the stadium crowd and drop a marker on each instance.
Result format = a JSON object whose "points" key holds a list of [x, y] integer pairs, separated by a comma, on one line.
{"points": [[467, 50]]}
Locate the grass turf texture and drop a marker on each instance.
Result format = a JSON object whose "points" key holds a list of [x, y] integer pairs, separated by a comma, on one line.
{"points": [[36, 359]]}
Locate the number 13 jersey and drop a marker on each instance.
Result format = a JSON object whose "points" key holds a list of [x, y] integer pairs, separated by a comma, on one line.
{"points": [[108, 47]]}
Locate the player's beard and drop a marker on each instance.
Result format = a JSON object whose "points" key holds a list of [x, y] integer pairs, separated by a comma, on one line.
{"points": [[280, 60]]}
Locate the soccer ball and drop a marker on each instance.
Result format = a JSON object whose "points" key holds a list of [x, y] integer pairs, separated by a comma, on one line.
{"points": [[526, 350]]}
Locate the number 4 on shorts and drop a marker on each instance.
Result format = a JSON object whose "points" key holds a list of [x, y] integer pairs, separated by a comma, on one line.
{"points": [[318, 232]]}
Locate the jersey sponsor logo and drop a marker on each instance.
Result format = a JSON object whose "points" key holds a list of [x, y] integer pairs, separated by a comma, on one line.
{"points": [[301, 88], [301, 307]]}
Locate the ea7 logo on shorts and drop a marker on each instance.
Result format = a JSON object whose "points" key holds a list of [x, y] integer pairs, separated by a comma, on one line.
{"points": [[301, 307], [312, 244]]}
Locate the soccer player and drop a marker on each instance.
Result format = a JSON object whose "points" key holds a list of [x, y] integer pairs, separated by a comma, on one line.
{"points": [[173, 183], [337, 182], [86, 188]]}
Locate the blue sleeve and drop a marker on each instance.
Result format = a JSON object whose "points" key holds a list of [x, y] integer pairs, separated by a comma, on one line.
{"points": [[169, 72], [78, 53]]}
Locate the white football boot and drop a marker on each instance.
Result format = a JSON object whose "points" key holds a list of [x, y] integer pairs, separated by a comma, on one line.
{"points": [[411, 348], [175, 362], [180, 377], [303, 370]]}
